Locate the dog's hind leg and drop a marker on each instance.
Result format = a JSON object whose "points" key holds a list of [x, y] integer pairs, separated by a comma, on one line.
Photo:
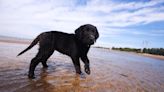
{"points": [[45, 58], [40, 57], [34, 62]]}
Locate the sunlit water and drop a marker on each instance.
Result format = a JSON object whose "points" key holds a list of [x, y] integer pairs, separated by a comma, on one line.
{"points": [[111, 71]]}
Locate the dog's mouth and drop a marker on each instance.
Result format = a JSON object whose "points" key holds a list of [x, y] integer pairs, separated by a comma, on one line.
{"points": [[88, 42], [91, 42]]}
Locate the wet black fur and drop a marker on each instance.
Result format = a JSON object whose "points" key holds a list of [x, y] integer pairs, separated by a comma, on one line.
{"points": [[74, 45]]}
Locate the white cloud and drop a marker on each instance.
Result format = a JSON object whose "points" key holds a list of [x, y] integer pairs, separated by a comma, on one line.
{"points": [[30, 17]]}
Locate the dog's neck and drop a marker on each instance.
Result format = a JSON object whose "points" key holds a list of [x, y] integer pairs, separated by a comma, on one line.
{"points": [[80, 43]]}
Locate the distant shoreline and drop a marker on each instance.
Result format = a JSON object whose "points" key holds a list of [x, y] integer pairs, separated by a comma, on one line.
{"points": [[14, 40], [20, 42], [152, 56], [142, 54], [28, 41]]}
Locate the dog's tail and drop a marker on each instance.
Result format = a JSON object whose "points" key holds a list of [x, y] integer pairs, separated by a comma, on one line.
{"points": [[34, 42]]}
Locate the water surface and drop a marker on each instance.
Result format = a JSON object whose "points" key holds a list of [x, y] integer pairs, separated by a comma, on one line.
{"points": [[111, 71]]}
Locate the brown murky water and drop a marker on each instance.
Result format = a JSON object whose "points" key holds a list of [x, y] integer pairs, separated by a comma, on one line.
{"points": [[111, 71]]}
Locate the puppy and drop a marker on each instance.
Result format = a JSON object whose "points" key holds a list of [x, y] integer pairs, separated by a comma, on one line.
{"points": [[74, 45]]}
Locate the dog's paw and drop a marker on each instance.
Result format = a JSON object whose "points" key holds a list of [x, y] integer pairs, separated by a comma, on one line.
{"points": [[87, 69], [31, 76]]}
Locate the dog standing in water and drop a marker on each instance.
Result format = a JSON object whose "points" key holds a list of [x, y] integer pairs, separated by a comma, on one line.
{"points": [[74, 45]]}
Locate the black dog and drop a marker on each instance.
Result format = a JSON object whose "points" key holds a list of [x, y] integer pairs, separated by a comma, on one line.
{"points": [[74, 45]]}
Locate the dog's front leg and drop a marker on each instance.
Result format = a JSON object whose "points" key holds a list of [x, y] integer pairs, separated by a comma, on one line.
{"points": [[76, 63], [86, 62]]}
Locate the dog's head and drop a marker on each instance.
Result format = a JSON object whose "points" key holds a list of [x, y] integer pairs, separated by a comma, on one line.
{"points": [[87, 34]]}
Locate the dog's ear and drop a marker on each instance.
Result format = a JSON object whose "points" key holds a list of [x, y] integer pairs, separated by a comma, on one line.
{"points": [[97, 34], [78, 31]]}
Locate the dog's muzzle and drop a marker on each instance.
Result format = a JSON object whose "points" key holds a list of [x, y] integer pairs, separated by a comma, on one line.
{"points": [[91, 39]]}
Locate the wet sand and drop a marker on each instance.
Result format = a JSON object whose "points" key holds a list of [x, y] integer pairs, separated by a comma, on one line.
{"points": [[154, 56], [111, 71]]}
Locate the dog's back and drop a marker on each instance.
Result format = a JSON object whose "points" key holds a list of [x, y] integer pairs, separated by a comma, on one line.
{"points": [[63, 42], [60, 41]]}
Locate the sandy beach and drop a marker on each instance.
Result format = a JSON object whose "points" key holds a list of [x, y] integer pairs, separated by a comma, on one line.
{"points": [[154, 56], [111, 71]]}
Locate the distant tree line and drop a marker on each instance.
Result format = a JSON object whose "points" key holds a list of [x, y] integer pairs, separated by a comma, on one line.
{"points": [[127, 49], [155, 51]]}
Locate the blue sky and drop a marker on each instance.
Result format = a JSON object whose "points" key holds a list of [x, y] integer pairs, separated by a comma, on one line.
{"points": [[121, 23]]}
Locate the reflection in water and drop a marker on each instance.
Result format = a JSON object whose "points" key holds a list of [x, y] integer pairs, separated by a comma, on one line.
{"points": [[46, 83], [111, 71], [40, 84], [50, 84]]}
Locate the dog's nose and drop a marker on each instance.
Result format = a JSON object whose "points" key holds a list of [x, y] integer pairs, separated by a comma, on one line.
{"points": [[92, 37]]}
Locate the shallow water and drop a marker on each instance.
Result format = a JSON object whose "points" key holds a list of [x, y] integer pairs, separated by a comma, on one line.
{"points": [[111, 71]]}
